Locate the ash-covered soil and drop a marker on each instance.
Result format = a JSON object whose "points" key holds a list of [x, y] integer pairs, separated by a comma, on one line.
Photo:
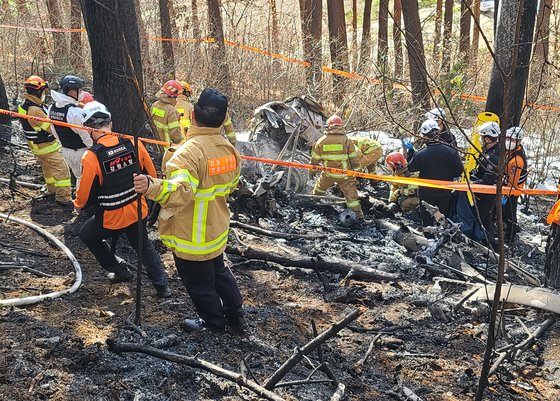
{"points": [[57, 350]]}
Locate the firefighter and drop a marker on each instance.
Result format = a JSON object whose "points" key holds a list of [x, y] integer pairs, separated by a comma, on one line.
{"points": [[67, 110], [437, 161], [229, 130], [42, 142], [335, 149], [402, 196], [165, 115], [107, 183], [194, 217], [445, 135], [184, 107], [516, 175], [370, 150]]}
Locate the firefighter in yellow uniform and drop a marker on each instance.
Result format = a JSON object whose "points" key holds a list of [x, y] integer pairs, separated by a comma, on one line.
{"points": [[371, 152], [164, 114], [405, 196], [42, 142], [194, 217], [184, 107], [335, 149], [229, 131]]}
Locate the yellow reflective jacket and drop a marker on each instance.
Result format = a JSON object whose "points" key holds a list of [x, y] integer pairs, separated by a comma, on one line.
{"points": [[335, 149], [37, 111], [184, 107], [166, 118], [194, 216], [366, 145], [398, 190], [229, 131]]}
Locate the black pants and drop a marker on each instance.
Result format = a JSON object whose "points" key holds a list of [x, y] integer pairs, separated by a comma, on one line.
{"points": [[485, 205], [442, 203], [510, 213], [93, 233], [213, 290]]}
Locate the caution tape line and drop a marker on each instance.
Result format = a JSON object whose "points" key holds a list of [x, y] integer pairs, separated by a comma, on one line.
{"points": [[306, 64]]}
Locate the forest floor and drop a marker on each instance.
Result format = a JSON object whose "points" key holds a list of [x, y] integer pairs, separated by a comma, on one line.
{"points": [[57, 350]]}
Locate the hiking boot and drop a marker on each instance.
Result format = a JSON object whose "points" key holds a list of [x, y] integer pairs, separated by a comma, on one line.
{"points": [[120, 274], [239, 325], [162, 291], [65, 204]]}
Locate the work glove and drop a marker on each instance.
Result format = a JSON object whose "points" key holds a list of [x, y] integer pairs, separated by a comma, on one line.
{"points": [[406, 144], [504, 200]]}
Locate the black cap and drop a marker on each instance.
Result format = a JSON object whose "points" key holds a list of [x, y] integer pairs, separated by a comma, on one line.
{"points": [[214, 98]]}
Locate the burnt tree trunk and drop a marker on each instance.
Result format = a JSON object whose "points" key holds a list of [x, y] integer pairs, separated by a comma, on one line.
{"points": [[552, 260], [514, 36], [447, 31], [60, 47], [116, 60], [365, 46], [354, 61], [382, 41], [539, 66], [476, 33], [397, 42], [144, 42], [219, 66], [76, 48], [168, 59], [4, 119], [437, 29], [311, 12], [338, 44], [465, 30], [415, 51]]}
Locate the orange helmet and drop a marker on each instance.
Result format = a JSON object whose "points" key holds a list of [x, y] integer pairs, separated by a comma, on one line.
{"points": [[334, 120], [186, 87], [36, 83], [395, 161], [172, 88]]}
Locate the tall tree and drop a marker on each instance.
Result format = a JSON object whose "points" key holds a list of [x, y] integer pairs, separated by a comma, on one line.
{"points": [[514, 38], [382, 41], [365, 45], [168, 58], [437, 29], [220, 70], [415, 51], [397, 42], [144, 42], [196, 26], [4, 119], [465, 30], [447, 31], [539, 66], [60, 47], [311, 12], [274, 17], [116, 60], [338, 44], [76, 48], [476, 33], [354, 60]]}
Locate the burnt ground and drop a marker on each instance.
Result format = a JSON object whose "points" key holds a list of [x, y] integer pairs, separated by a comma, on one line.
{"points": [[57, 350]]}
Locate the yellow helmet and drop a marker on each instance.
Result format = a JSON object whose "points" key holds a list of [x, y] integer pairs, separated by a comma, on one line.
{"points": [[186, 87]]}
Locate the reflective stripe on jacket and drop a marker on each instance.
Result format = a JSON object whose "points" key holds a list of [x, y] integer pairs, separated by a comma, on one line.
{"points": [[366, 145], [336, 150], [166, 119], [185, 108], [229, 131], [194, 216], [516, 169]]}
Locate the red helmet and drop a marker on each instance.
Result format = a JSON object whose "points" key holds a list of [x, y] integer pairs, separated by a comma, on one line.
{"points": [[395, 161], [172, 88], [334, 120], [36, 83], [87, 97]]}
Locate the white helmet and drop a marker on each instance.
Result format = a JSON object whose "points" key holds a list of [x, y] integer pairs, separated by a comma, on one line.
{"points": [[428, 127], [95, 113], [490, 128], [436, 114], [515, 133]]}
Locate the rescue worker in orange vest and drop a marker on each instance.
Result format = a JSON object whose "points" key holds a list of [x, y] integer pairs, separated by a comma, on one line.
{"points": [[370, 150], [107, 182], [164, 114], [184, 107], [66, 109], [516, 175], [194, 217], [402, 196], [335, 149], [42, 142]]}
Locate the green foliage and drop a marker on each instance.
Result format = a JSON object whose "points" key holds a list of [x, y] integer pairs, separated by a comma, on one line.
{"points": [[457, 81]]}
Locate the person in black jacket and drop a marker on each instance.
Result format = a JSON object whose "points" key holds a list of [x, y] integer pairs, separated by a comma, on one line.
{"points": [[445, 135], [436, 161]]}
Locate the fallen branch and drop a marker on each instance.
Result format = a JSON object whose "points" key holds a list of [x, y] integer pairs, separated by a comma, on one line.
{"points": [[306, 262], [27, 269], [308, 348], [195, 363], [339, 393], [275, 234], [24, 184], [357, 367]]}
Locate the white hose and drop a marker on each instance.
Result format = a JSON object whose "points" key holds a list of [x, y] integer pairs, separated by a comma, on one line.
{"points": [[23, 183], [52, 295]]}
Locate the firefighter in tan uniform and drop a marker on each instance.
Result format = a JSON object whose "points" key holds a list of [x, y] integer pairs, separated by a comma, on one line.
{"points": [[42, 142], [371, 151], [184, 107], [336, 150], [164, 114], [405, 196], [229, 131], [194, 217]]}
